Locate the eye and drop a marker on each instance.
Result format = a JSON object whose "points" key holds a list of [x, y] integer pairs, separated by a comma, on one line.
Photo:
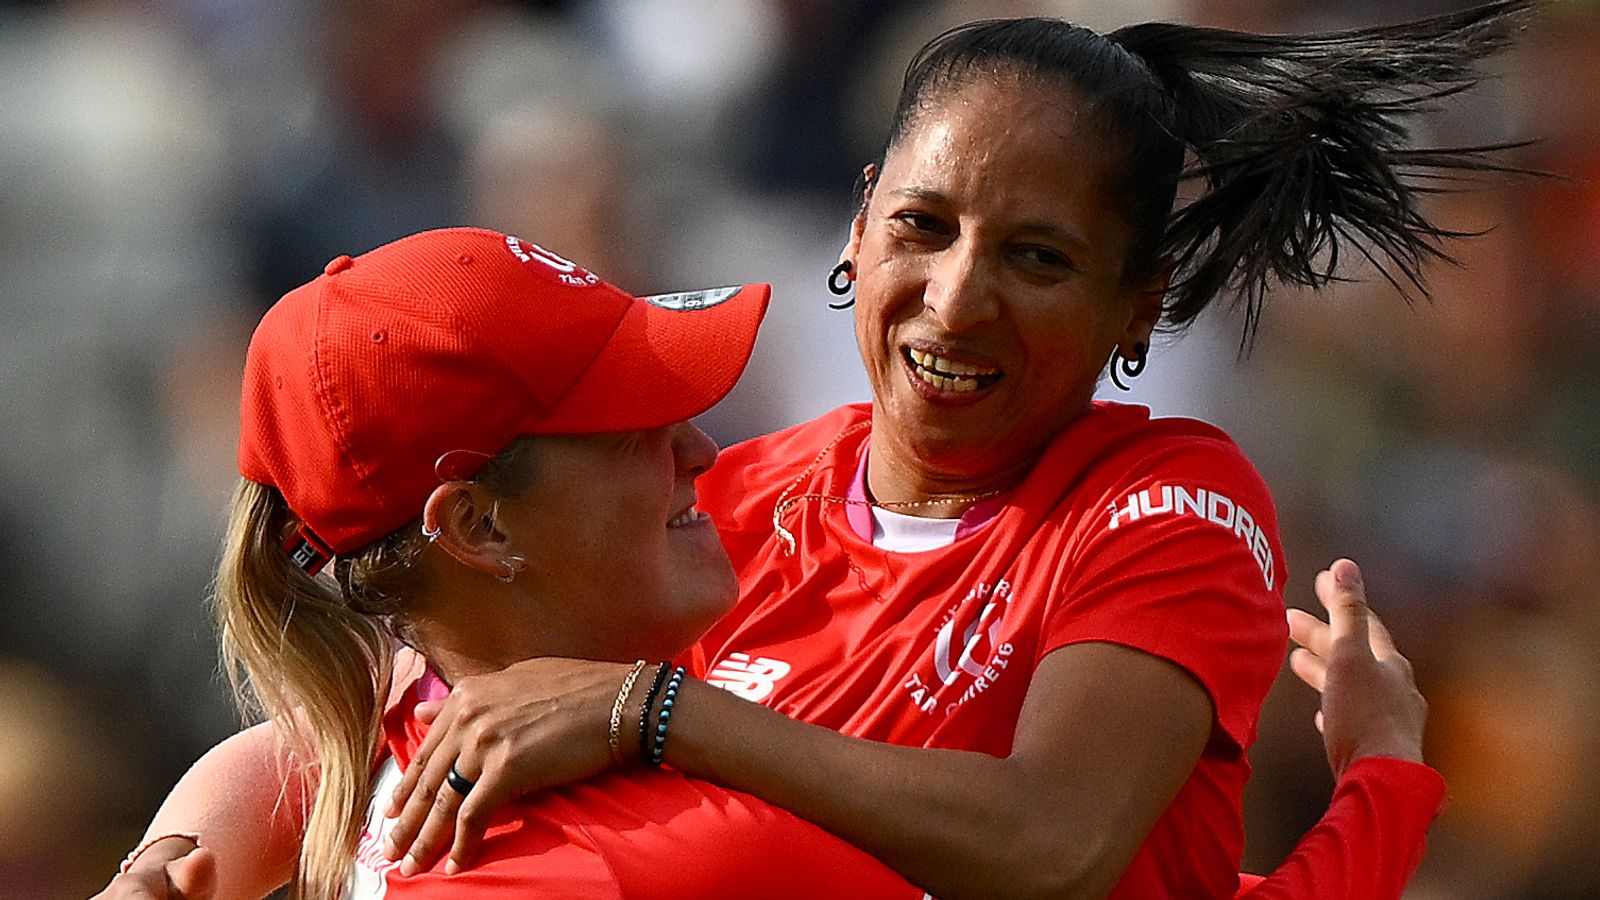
{"points": [[1044, 258], [921, 222]]}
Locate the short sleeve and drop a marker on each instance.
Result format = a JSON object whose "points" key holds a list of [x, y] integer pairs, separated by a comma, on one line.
{"points": [[1181, 560]]}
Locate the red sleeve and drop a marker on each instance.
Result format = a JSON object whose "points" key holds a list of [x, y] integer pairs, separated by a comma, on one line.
{"points": [[1369, 842], [1183, 562]]}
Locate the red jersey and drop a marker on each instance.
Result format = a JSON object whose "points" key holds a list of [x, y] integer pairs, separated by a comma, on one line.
{"points": [[643, 833], [1155, 534]]}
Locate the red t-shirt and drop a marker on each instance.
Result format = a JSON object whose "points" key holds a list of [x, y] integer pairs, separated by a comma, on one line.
{"points": [[643, 833], [1154, 534]]}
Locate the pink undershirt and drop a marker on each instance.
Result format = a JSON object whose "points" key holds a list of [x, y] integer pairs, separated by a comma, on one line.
{"points": [[860, 513], [431, 687]]}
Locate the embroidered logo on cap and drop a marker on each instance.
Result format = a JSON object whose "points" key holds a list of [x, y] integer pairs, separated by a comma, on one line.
{"points": [[691, 300], [562, 269]]}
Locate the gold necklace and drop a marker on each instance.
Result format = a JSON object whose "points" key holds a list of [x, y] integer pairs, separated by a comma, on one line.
{"points": [[788, 498]]}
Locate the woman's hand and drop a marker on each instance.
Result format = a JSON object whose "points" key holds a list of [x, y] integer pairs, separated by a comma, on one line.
{"points": [[1370, 702], [170, 869], [533, 725]]}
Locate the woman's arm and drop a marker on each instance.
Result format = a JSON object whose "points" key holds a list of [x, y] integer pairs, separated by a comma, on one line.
{"points": [[235, 798], [1373, 836], [247, 802], [1106, 737]]}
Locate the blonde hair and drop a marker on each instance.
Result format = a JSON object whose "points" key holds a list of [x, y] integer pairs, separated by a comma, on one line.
{"points": [[315, 657]]}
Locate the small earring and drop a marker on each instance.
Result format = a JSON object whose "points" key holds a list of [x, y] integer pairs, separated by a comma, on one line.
{"points": [[431, 534], [840, 283], [513, 564], [1132, 368]]}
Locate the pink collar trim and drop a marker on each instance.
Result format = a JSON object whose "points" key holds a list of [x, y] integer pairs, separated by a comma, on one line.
{"points": [[859, 513], [431, 687]]}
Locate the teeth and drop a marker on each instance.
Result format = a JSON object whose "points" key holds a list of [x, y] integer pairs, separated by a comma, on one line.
{"points": [[946, 366], [685, 518], [946, 374], [956, 384]]}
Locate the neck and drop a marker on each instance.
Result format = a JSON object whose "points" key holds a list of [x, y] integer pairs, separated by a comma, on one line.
{"points": [[468, 625], [458, 652], [900, 481]]}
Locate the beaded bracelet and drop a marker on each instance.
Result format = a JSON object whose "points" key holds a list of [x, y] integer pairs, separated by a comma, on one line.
{"points": [[614, 733], [659, 748], [662, 668]]}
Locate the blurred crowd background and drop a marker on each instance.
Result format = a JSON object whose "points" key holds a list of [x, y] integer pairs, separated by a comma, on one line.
{"points": [[169, 167]]}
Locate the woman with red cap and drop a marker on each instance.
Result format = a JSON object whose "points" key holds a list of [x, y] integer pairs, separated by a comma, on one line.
{"points": [[466, 426], [1005, 639]]}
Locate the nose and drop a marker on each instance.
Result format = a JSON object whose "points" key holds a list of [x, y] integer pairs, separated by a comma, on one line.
{"points": [[960, 288], [694, 450]]}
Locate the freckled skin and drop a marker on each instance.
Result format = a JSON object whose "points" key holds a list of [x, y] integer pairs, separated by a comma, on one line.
{"points": [[989, 238]]}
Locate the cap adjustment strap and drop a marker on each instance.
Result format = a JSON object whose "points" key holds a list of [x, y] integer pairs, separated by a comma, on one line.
{"points": [[307, 551]]}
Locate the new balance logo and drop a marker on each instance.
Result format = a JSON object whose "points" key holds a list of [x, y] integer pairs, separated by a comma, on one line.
{"points": [[752, 679]]}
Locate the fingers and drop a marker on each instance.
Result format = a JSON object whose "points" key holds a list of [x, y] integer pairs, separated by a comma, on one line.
{"points": [[1382, 641], [193, 876], [428, 711], [419, 764], [426, 824], [472, 819], [423, 800], [1310, 668], [1310, 632], [1341, 591]]}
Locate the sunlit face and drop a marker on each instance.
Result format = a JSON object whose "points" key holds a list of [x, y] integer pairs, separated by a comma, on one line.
{"points": [[619, 559], [989, 290]]}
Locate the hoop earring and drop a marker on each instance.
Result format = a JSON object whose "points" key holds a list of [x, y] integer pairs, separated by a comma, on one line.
{"points": [[1132, 368], [839, 288], [513, 564], [432, 534]]}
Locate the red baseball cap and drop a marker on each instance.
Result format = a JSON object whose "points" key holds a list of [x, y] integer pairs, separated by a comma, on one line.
{"points": [[357, 383]]}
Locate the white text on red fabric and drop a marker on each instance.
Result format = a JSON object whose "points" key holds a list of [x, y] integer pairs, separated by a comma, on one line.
{"points": [[1176, 500]]}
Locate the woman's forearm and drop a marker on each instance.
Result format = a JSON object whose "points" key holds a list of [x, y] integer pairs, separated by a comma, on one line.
{"points": [[246, 808], [1060, 817], [945, 819]]}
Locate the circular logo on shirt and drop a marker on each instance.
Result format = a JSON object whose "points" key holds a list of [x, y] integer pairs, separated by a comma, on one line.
{"points": [[971, 649]]}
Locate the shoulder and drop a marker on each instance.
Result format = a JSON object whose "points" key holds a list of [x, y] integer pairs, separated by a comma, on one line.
{"points": [[1139, 452], [795, 444], [749, 474]]}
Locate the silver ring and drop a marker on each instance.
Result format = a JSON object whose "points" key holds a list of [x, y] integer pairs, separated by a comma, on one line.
{"points": [[459, 783]]}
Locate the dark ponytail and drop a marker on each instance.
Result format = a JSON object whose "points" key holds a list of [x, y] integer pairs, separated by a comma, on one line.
{"points": [[1302, 147], [1299, 139]]}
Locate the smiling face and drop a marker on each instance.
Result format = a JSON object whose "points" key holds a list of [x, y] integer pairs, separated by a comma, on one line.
{"points": [[620, 563], [990, 290]]}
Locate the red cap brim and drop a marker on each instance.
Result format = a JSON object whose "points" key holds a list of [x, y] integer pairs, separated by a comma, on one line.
{"points": [[673, 357]]}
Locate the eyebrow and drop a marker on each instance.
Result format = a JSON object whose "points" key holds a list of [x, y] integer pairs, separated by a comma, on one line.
{"points": [[1049, 229]]}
